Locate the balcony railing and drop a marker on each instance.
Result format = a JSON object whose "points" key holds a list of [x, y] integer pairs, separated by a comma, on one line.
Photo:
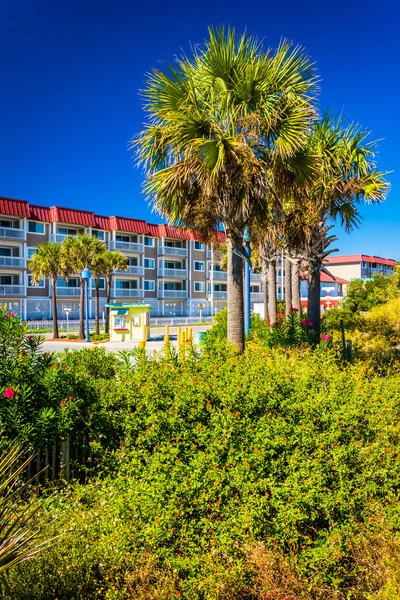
{"points": [[217, 275], [12, 234], [68, 291], [172, 273], [125, 293], [126, 246], [255, 276], [172, 251], [218, 295], [132, 270], [172, 294], [256, 296], [12, 290], [12, 261]]}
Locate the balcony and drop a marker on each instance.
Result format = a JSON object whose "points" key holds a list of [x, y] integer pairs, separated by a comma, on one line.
{"points": [[132, 270], [125, 293], [12, 261], [12, 290], [255, 276], [9, 233], [220, 275], [68, 291], [172, 251], [208, 253], [173, 273], [172, 294], [59, 237], [256, 296], [217, 295], [126, 246]]}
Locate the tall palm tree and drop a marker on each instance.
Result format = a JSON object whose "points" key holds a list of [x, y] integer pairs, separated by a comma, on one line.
{"points": [[110, 261], [347, 175], [46, 263], [78, 252], [215, 122]]}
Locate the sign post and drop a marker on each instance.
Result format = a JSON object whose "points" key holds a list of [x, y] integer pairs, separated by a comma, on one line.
{"points": [[67, 310], [103, 310], [201, 306]]}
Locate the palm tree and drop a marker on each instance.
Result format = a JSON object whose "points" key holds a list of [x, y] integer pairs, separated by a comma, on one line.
{"points": [[110, 261], [46, 263], [215, 123], [347, 175], [77, 253], [97, 269]]}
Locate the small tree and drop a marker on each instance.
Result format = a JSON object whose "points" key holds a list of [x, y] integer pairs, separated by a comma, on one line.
{"points": [[77, 253], [110, 261], [47, 263]]}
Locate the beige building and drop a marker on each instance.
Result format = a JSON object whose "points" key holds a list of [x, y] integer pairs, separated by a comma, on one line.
{"points": [[359, 266]]}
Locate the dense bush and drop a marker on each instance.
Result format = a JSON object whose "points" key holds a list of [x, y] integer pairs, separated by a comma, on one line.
{"points": [[271, 475], [362, 295]]}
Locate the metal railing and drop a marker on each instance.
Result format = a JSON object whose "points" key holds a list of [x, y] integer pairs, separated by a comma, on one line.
{"points": [[256, 296], [12, 234], [173, 294], [172, 251], [218, 295], [126, 246], [125, 293], [12, 261], [255, 276], [172, 273], [12, 290], [132, 270], [59, 237], [217, 275], [68, 291]]}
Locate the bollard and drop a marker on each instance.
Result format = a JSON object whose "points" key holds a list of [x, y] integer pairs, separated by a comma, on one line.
{"points": [[178, 337], [190, 334], [142, 344], [166, 336]]}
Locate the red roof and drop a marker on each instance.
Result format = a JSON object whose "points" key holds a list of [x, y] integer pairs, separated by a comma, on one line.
{"points": [[14, 208], [127, 224], [326, 278], [357, 258]]}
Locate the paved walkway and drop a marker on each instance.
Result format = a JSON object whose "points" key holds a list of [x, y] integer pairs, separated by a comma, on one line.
{"points": [[156, 342]]}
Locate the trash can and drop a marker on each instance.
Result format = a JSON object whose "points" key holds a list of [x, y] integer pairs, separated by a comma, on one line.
{"points": [[202, 336]]}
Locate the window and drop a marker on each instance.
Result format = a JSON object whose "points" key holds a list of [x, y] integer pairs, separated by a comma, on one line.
{"points": [[35, 227], [66, 231], [31, 252], [148, 241], [149, 285], [255, 289], [73, 282], [198, 246], [5, 251], [149, 263], [40, 284], [98, 234], [199, 286], [198, 265], [364, 265], [102, 283]]}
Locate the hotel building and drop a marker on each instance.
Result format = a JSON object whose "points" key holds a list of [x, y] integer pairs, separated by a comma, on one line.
{"points": [[167, 267]]}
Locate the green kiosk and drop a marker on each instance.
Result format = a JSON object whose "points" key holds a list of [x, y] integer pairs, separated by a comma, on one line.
{"points": [[129, 322]]}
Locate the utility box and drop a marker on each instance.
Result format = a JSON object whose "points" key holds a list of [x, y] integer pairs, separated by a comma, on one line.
{"points": [[129, 322]]}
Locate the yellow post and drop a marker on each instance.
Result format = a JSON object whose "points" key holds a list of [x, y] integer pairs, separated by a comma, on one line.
{"points": [[190, 334], [166, 336], [144, 334], [142, 344], [178, 337]]}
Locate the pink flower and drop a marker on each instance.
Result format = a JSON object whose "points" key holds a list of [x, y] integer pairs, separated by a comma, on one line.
{"points": [[66, 367], [280, 315], [325, 337], [63, 403], [10, 393], [306, 323], [31, 337], [70, 399], [10, 314], [294, 310]]}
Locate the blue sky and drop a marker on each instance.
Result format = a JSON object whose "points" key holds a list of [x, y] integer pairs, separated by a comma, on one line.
{"points": [[71, 73]]}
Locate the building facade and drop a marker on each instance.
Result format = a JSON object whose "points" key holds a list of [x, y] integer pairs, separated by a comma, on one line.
{"points": [[359, 266], [167, 267]]}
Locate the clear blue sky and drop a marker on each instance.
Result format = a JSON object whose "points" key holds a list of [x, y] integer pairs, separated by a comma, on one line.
{"points": [[71, 71]]}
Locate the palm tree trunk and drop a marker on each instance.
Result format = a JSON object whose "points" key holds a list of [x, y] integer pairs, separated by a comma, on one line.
{"points": [[54, 308], [109, 283], [288, 285], [314, 298], [235, 293], [82, 310], [272, 291], [265, 289], [296, 286], [97, 320]]}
